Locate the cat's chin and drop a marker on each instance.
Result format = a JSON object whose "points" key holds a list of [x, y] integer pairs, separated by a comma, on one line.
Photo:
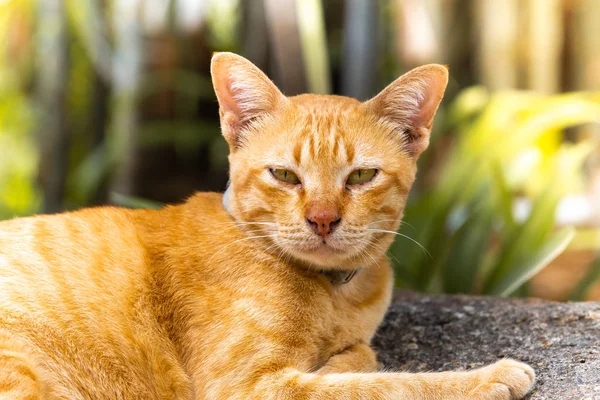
{"points": [[326, 256]]}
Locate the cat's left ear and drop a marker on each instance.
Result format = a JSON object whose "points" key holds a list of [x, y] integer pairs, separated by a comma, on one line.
{"points": [[245, 95], [408, 105]]}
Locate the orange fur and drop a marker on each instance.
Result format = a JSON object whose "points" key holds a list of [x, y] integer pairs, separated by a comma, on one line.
{"points": [[197, 301]]}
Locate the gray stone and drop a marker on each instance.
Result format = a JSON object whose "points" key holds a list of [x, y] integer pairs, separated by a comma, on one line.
{"points": [[561, 341]]}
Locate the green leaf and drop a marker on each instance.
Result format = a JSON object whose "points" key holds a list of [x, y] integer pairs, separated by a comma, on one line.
{"points": [[87, 178], [504, 196], [522, 240], [133, 202], [424, 222], [468, 247], [533, 264], [408, 256], [591, 277]]}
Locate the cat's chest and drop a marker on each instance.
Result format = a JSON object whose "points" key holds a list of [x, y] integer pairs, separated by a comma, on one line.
{"points": [[354, 312]]}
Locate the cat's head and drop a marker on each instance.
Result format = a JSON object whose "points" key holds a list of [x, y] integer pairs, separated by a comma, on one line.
{"points": [[323, 177]]}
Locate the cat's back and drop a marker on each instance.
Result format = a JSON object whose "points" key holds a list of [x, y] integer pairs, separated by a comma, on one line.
{"points": [[75, 293], [62, 260]]}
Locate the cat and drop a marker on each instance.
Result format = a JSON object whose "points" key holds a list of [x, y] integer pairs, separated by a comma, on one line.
{"points": [[272, 291]]}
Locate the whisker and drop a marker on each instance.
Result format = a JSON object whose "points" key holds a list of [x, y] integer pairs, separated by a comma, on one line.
{"points": [[404, 236], [409, 225], [288, 255], [237, 241], [363, 252], [392, 220], [266, 252], [246, 223], [234, 225], [382, 220], [369, 254], [379, 241]]}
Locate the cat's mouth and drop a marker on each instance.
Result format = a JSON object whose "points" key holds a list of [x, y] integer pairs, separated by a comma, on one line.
{"points": [[324, 253], [326, 248], [339, 250]]}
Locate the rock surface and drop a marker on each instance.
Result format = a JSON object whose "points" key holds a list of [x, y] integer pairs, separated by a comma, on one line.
{"points": [[561, 341]]}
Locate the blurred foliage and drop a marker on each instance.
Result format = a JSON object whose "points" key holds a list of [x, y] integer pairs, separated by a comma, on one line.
{"points": [[223, 23], [509, 149], [586, 283], [133, 202], [19, 158], [18, 148], [485, 214]]}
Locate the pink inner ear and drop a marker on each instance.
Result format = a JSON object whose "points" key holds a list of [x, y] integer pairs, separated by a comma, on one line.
{"points": [[227, 95], [432, 91], [409, 104], [244, 94]]}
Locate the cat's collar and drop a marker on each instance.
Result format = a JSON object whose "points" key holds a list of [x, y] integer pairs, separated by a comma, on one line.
{"points": [[339, 277]]}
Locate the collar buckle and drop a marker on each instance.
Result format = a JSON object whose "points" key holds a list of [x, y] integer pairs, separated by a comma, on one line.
{"points": [[339, 277]]}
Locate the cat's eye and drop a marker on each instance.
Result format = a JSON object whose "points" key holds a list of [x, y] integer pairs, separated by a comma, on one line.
{"points": [[284, 175], [361, 176]]}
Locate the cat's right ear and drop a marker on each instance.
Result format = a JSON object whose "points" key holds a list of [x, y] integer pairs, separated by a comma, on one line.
{"points": [[245, 95], [408, 105]]}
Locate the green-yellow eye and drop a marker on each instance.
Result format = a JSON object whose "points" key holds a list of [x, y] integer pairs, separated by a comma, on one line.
{"points": [[285, 176], [361, 176]]}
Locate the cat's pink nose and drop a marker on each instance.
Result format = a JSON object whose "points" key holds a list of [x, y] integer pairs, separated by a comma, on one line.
{"points": [[323, 220]]}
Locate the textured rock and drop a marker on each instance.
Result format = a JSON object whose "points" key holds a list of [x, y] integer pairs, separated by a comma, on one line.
{"points": [[437, 333]]}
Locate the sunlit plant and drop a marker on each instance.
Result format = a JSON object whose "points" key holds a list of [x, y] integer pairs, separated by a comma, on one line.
{"points": [[508, 148]]}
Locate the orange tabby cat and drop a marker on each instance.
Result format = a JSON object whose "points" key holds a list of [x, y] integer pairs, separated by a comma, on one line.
{"points": [[271, 292]]}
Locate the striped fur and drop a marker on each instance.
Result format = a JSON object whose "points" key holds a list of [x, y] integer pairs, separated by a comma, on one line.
{"points": [[195, 302]]}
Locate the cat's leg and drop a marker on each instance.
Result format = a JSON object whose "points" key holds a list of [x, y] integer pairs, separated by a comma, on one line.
{"points": [[358, 358], [19, 379], [503, 380]]}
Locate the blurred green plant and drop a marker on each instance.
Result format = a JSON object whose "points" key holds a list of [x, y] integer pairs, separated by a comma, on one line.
{"points": [[509, 150], [133, 202], [586, 283], [19, 194], [223, 22], [19, 158]]}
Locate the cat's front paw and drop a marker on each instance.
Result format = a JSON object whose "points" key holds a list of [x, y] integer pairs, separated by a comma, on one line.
{"points": [[504, 380]]}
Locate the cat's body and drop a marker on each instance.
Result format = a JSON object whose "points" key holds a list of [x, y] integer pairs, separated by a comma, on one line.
{"points": [[220, 299], [139, 321]]}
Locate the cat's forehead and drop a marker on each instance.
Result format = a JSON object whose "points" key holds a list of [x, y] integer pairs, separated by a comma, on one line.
{"points": [[319, 103], [322, 114], [331, 129], [323, 110]]}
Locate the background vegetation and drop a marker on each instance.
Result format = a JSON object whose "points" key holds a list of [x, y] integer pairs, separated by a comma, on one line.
{"points": [[110, 101]]}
